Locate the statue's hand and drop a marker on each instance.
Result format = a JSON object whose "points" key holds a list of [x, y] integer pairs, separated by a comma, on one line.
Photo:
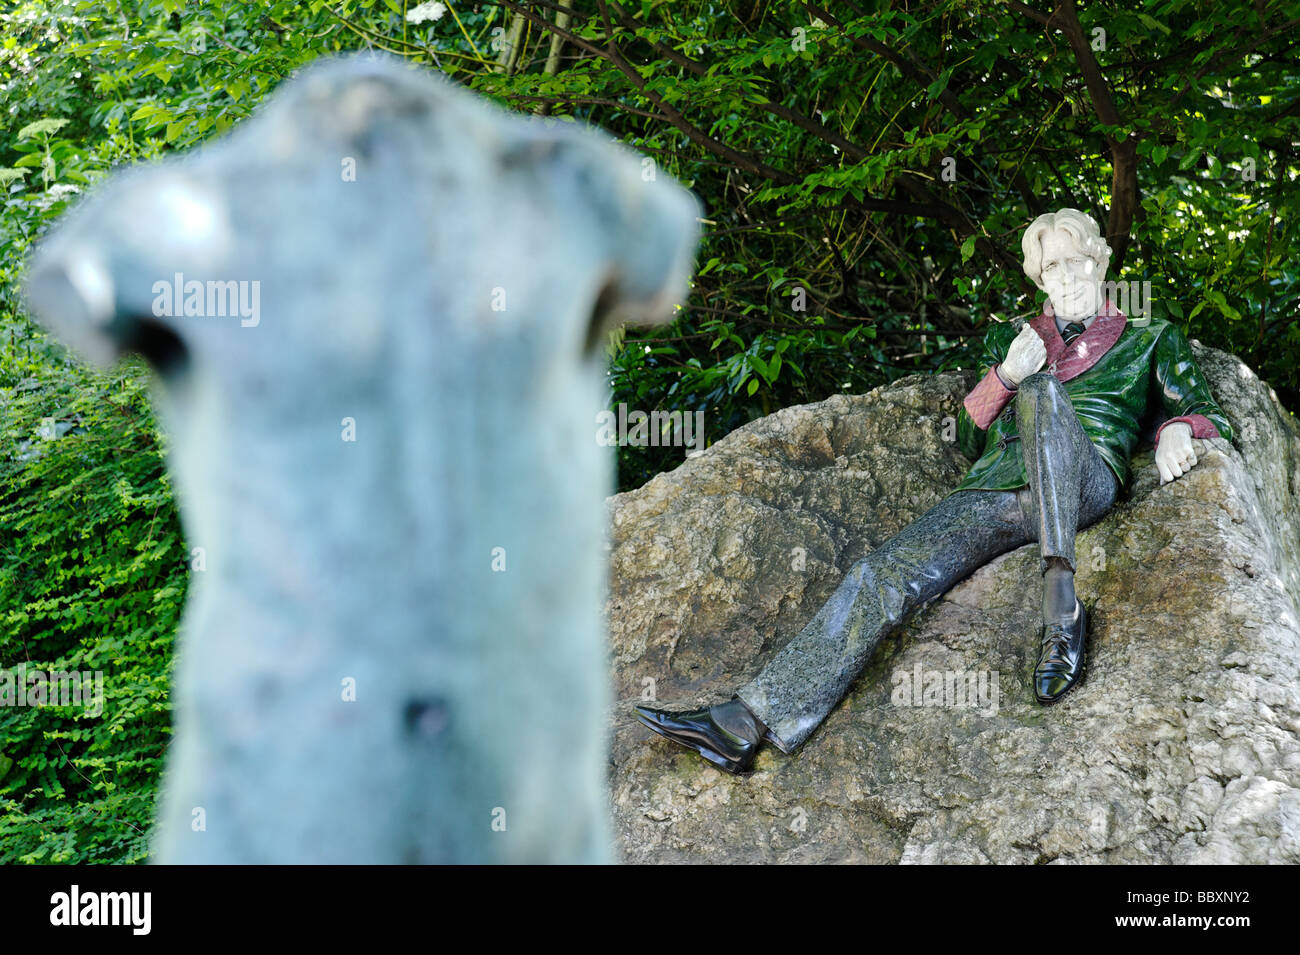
{"points": [[1174, 456], [1026, 355]]}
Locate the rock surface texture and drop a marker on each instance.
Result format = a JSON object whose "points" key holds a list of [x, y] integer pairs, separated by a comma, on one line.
{"points": [[1182, 745]]}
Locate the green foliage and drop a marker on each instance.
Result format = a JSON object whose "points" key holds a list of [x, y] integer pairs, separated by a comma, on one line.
{"points": [[866, 171], [885, 159], [92, 573]]}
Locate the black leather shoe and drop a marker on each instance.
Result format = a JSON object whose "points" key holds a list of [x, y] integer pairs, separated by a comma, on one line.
{"points": [[727, 735], [1061, 660]]}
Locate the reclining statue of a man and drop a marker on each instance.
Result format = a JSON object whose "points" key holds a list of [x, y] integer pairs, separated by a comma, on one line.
{"points": [[1053, 422]]}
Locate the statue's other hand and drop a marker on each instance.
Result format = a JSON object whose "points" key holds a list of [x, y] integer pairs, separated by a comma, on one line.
{"points": [[1025, 356], [1174, 455]]}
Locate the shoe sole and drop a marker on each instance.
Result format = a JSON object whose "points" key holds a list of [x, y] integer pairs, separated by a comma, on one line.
{"points": [[729, 765], [1083, 663]]}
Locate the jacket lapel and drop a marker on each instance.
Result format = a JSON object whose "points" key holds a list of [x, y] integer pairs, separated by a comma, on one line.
{"points": [[1069, 361]]}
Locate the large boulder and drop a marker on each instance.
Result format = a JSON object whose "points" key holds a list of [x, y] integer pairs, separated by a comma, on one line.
{"points": [[1182, 745]]}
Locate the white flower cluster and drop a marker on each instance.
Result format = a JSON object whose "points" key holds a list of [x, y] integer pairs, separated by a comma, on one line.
{"points": [[426, 11]]}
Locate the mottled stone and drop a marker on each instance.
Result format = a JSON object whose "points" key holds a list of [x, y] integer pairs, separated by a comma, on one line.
{"points": [[1182, 744]]}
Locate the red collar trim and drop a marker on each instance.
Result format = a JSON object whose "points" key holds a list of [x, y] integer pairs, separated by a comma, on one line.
{"points": [[1069, 361]]}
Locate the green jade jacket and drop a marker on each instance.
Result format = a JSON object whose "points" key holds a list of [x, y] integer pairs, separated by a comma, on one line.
{"points": [[1113, 373]]}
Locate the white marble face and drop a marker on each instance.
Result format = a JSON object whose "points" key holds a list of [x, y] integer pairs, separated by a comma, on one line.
{"points": [[1071, 278]]}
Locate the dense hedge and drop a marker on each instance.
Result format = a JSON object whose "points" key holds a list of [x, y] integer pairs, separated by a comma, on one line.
{"points": [[93, 576]]}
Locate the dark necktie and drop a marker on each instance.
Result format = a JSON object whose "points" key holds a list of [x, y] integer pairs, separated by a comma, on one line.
{"points": [[1072, 331]]}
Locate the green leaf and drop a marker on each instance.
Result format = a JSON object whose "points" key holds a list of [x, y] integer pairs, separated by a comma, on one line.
{"points": [[151, 111], [939, 85], [1152, 23]]}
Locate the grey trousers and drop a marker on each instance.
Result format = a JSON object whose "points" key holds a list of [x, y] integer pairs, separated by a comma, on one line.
{"points": [[1070, 487]]}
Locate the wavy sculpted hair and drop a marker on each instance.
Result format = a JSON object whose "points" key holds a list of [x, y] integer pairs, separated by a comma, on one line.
{"points": [[1078, 225]]}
